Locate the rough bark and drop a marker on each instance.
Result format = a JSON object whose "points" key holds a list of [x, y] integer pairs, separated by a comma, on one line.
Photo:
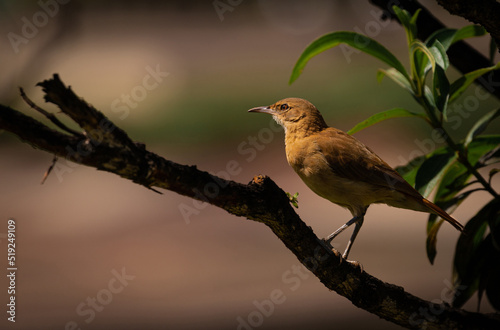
{"points": [[483, 12], [106, 147]]}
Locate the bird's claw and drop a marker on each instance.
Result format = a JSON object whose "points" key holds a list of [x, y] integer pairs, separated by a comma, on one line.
{"points": [[356, 264]]}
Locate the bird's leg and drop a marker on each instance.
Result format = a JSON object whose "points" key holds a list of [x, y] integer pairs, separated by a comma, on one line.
{"points": [[358, 220], [359, 223], [330, 237]]}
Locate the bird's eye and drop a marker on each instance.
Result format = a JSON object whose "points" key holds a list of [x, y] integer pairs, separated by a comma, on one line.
{"points": [[284, 107]]}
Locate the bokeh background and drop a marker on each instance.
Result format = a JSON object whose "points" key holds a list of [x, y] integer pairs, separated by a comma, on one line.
{"points": [[208, 270]]}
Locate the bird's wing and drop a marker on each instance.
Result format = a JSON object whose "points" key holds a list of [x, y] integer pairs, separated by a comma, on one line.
{"points": [[351, 159], [365, 166]]}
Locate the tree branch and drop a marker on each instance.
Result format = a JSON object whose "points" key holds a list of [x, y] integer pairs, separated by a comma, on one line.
{"points": [[462, 56], [106, 147], [483, 12]]}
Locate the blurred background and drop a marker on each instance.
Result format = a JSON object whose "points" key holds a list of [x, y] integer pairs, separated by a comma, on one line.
{"points": [[95, 251]]}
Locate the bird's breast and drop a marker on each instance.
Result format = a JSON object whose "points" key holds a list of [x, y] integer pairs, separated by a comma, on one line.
{"points": [[310, 163], [313, 168]]}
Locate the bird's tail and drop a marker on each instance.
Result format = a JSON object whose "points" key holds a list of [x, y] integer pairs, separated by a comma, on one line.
{"points": [[439, 211]]}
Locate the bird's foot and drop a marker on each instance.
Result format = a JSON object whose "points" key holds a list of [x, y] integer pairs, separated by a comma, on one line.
{"points": [[356, 264]]}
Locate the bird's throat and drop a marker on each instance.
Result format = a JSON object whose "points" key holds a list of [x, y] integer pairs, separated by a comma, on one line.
{"points": [[302, 129]]}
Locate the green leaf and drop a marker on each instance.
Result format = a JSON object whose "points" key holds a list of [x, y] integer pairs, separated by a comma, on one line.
{"points": [[470, 239], [453, 181], [419, 62], [441, 90], [397, 77], [447, 36], [481, 125], [490, 253], [450, 203], [469, 253], [477, 152], [488, 262], [491, 157], [435, 58], [440, 56], [432, 171], [409, 22], [461, 84], [409, 171], [429, 96], [413, 21], [433, 225], [352, 39], [293, 199], [381, 116], [430, 244], [456, 176], [479, 148], [469, 31]]}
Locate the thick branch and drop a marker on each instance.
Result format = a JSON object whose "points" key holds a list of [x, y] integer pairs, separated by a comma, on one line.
{"points": [[483, 12], [462, 56], [108, 148]]}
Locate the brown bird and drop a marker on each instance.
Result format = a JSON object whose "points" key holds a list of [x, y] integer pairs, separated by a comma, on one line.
{"points": [[338, 167]]}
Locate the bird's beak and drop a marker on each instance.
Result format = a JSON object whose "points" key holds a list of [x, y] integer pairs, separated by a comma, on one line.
{"points": [[263, 110]]}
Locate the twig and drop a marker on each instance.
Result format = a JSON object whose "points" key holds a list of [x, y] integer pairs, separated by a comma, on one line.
{"points": [[45, 176], [49, 115]]}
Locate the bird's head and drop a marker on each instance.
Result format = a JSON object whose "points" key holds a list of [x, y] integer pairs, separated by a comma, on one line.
{"points": [[294, 114]]}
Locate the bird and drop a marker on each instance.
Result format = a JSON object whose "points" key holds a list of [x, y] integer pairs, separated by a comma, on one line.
{"points": [[342, 169]]}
